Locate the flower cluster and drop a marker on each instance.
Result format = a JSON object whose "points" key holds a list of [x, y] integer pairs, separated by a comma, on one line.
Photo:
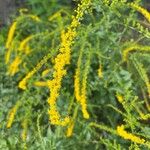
{"points": [[11, 114], [119, 98], [9, 41], [134, 48], [81, 94], [143, 11], [23, 82], [70, 129], [61, 60], [13, 68], [129, 136], [83, 99], [23, 45]]}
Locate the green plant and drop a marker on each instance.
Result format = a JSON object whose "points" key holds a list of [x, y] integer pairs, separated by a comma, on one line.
{"points": [[78, 81]]}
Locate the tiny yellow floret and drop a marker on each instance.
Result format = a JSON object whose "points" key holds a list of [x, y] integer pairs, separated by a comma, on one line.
{"points": [[119, 98]]}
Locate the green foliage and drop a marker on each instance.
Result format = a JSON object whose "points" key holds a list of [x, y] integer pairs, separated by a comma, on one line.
{"points": [[107, 29]]}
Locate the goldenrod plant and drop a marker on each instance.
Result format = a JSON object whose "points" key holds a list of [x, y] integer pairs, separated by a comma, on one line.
{"points": [[75, 76]]}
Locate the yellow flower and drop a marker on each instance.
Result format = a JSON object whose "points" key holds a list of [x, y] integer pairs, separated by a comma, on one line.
{"points": [[13, 68], [70, 129], [11, 34], [9, 41], [23, 82], [61, 60], [40, 83], [81, 97], [36, 18], [100, 72], [144, 117], [129, 136], [11, 114], [134, 48], [83, 100], [45, 72], [119, 98], [143, 11], [23, 45]]}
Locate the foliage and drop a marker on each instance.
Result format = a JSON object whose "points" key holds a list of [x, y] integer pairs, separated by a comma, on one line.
{"points": [[76, 79]]}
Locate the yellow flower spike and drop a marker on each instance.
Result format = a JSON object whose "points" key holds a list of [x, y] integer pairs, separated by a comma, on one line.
{"points": [[57, 14], [143, 11], [45, 72], [119, 98], [144, 117], [40, 83], [23, 45], [23, 82], [134, 48], [83, 100], [12, 114], [71, 125], [35, 18], [129, 136], [9, 41], [13, 68], [11, 34], [61, 60], [81, 97], [70, 129], [80, 94], [24, 131], [100, 72]]}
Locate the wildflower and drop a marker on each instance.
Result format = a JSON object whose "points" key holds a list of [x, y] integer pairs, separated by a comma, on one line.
{"points": [[45, 72], [100, 72], [70, 129], [144, 117], [143, 11], [11, 114], [81, 95], [119, 98], [133, 48], [24, 131], [129, 136], [13, 68], [9, 41], [61, 60], [40, 83], [23, 82], [83, 100], [23, 45], [55, 116], [34, 17]]}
